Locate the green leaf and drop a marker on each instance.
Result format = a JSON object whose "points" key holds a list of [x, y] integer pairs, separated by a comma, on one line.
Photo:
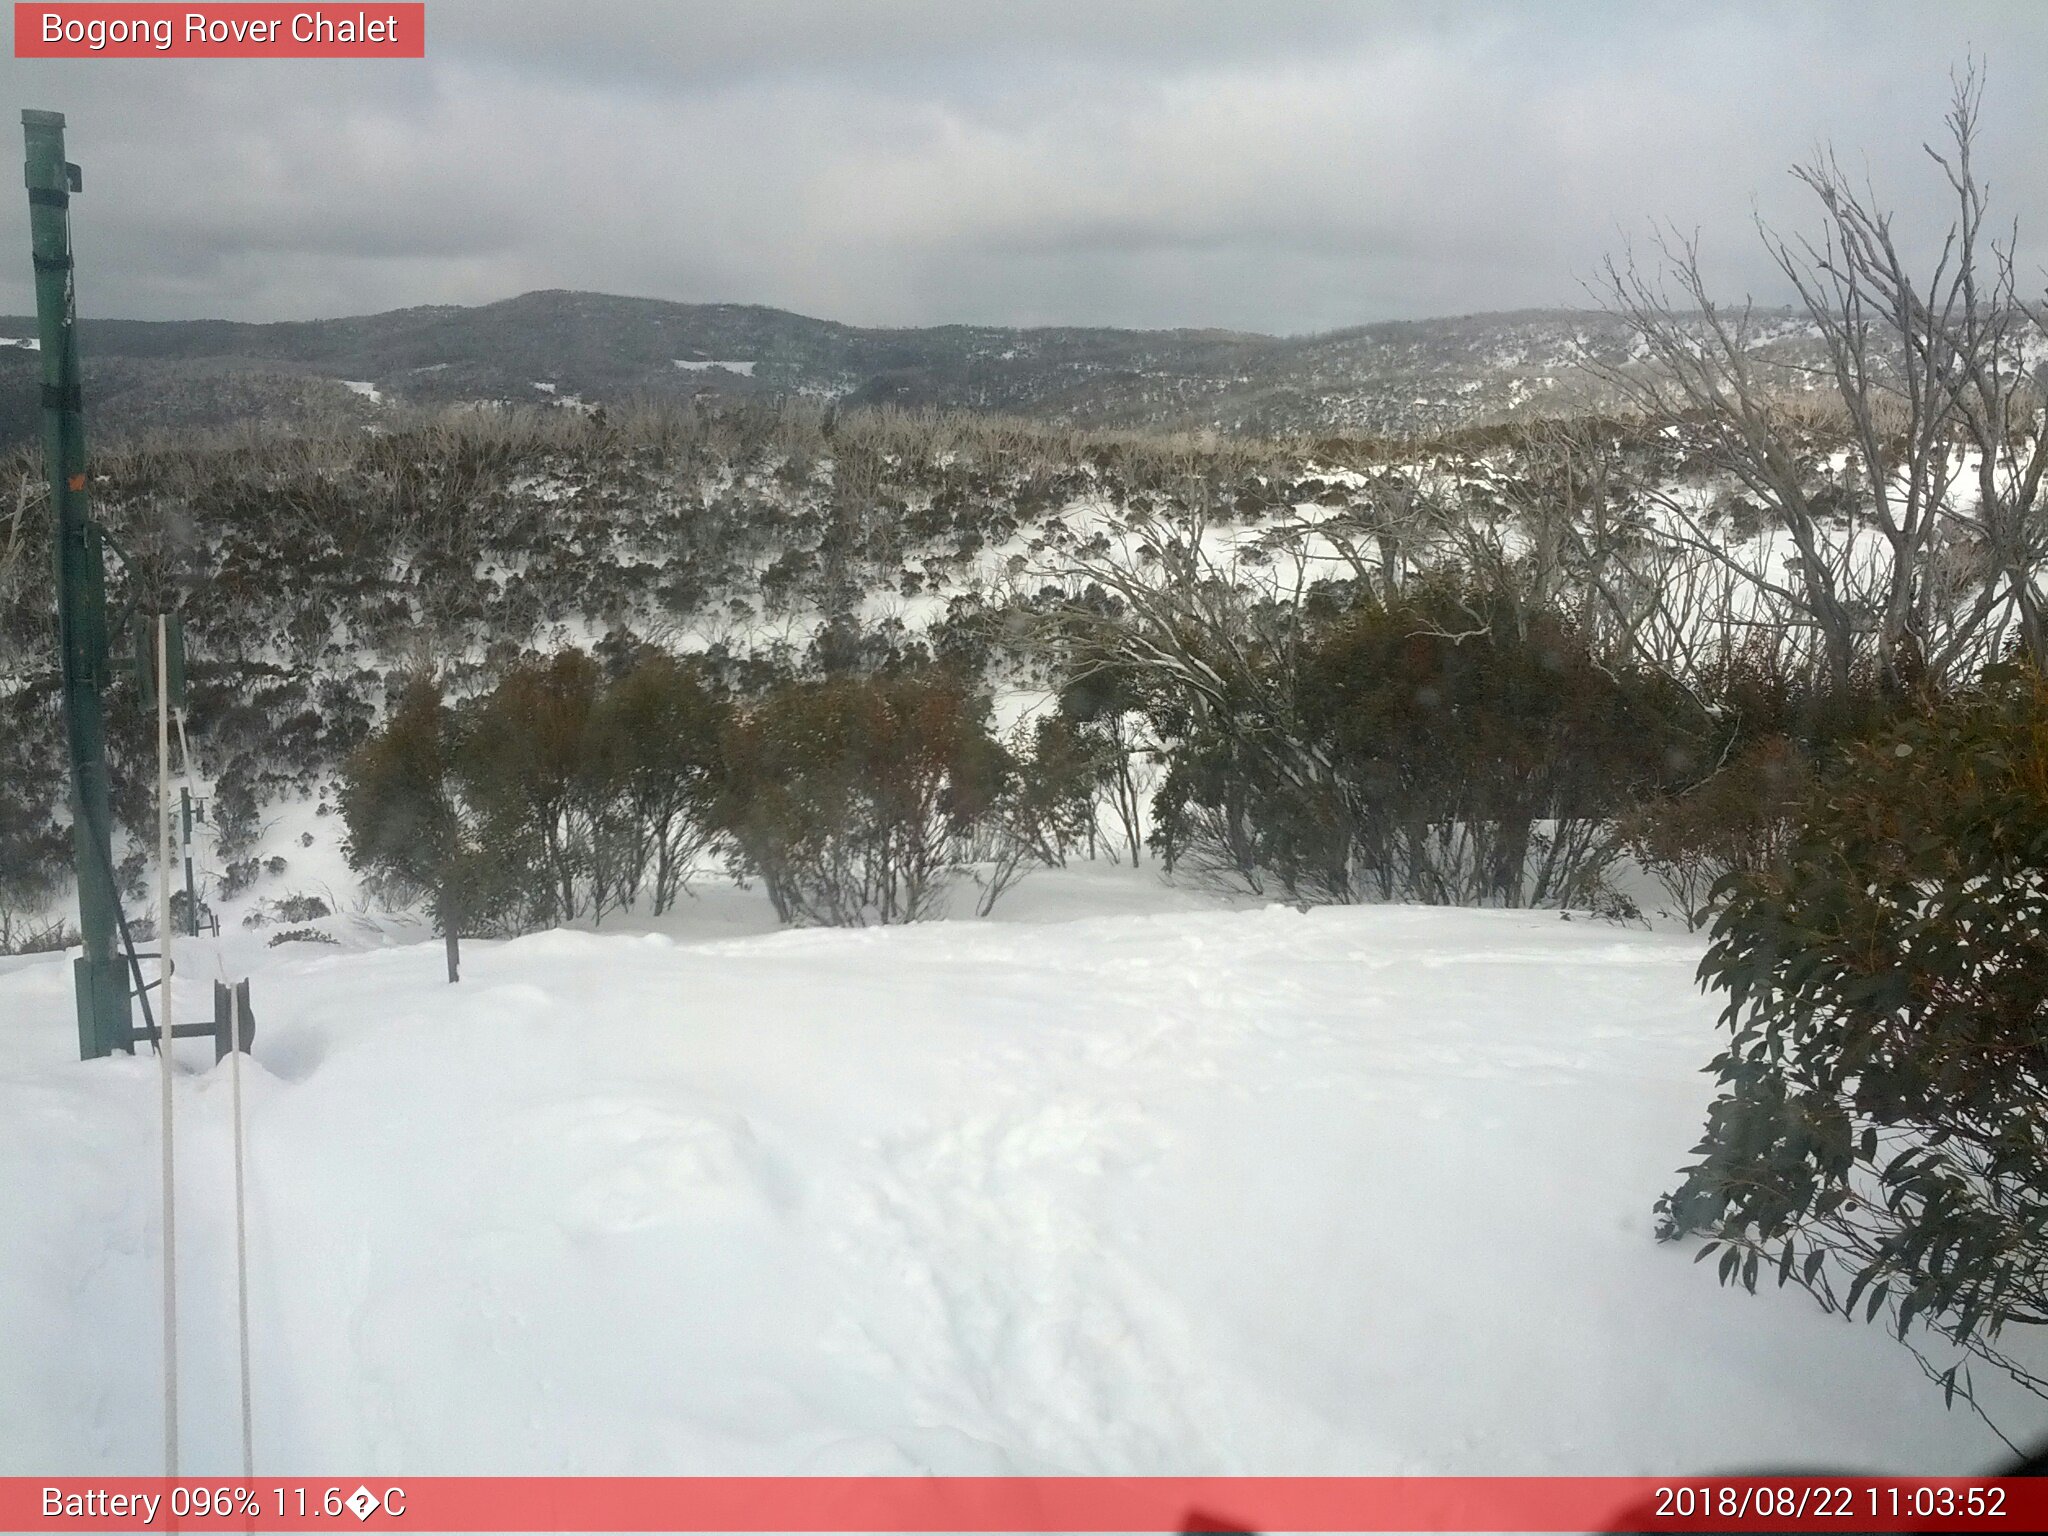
{"points": [[1856, 1289]]}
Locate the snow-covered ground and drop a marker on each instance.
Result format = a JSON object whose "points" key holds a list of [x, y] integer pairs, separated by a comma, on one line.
{"points": [[1125, 1181]]}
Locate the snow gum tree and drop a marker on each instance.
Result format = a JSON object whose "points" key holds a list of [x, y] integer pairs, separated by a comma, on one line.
{"points": [[651, 765], [403, 819], [1452, 742], [850, 798], [1480, 753], [558, 793], [522, 762], [1902, 473], [1097, 715], [1880, 1136]]}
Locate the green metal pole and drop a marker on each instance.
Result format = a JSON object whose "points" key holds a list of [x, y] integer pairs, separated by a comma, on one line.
{"points": [[103, 1001]]}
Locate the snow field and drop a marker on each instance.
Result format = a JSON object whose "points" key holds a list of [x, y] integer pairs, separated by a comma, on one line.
{"points": [[1164, 1189]]}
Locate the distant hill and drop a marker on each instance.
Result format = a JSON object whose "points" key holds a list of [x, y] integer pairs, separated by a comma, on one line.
{"points": [[590, 349]]}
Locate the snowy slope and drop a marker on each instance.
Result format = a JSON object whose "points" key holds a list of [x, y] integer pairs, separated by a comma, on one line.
{"points": [[1357, 1190]]}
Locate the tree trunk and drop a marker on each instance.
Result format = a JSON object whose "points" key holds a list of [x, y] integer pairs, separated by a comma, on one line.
{"points": [[451, 933]]}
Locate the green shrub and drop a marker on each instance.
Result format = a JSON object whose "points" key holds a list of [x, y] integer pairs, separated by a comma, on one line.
{"points": [[1745, 771], [650, 770], [1437, 748], [522, 761], [298, 907], [33, 864], [1738, 819], [1880, 1135], [404, 821], [555, 795], [849, 798], [301, 936]]}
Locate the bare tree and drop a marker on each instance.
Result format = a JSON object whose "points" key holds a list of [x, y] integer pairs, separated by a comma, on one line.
{"points": [[1211, 641], [13, 545], [1872, 551]]}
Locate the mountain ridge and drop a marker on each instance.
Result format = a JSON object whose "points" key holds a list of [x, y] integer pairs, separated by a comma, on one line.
{"points": [[566, 346]]}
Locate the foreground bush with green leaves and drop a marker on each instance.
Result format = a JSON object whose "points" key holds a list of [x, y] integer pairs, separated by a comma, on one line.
{"points": [[1880, 1136]]}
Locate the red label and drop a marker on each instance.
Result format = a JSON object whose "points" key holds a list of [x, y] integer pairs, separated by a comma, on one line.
{"points": [[996, 1504], [97, 31]]}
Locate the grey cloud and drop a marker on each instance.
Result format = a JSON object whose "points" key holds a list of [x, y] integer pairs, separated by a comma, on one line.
{"points": [[1281, 168]]}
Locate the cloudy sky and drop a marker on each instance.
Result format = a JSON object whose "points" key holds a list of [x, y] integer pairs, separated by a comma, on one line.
{"points": [[1291, 166]]}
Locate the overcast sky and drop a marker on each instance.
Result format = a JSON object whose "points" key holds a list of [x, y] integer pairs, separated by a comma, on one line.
{"points": [[1281, 167]]}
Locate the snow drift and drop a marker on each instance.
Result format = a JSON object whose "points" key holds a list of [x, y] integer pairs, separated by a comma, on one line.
{"points": [[1359, 1190]]}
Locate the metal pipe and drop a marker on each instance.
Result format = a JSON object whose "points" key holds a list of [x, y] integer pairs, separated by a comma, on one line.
{"points": [[103, 1011]]}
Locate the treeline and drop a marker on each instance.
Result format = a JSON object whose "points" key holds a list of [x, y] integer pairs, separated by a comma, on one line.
{"points": [[1439, 745], [308, 567], [1474, 723], [579, 786]]}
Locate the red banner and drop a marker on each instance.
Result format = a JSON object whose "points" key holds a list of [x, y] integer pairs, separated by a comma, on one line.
{"points": [[264, 31], [1053, 1504]]}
